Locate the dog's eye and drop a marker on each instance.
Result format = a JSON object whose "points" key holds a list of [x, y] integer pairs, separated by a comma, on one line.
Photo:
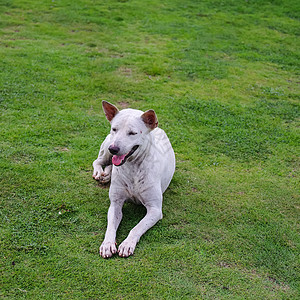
{"points": [[132, 133], [114, 129]]}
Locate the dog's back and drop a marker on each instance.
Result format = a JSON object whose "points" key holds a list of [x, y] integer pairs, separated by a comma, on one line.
{"points": [[164, 157]]}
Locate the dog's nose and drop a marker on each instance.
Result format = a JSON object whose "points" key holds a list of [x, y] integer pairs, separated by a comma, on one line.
{"points": [[113, 149]]}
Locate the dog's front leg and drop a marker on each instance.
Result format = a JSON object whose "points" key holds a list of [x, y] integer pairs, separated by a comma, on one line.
{"points": [[114, 216], [127, 247], [102, 165], [101, 174]]}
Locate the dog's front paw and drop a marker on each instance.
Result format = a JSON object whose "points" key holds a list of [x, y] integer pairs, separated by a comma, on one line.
{"points": [[107, 249], [103, 176], [127, 248]]}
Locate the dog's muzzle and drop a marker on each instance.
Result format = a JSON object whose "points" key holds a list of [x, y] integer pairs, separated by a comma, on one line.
{"points": [[119, 160]]}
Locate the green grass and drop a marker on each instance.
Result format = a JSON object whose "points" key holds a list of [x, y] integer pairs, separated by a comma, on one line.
{"points": [[223, 78]]}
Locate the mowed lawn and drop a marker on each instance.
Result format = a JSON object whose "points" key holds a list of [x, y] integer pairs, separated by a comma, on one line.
{"points": [[223, 78]]}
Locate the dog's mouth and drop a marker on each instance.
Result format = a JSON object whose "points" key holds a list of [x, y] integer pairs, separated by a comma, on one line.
{"points": [[119, 160]]}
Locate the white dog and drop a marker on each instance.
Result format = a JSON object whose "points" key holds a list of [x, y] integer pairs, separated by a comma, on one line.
{"points": [[140, 161]]}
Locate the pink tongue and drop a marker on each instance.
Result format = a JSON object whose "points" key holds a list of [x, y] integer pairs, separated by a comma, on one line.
{"points": [[117, 160]]}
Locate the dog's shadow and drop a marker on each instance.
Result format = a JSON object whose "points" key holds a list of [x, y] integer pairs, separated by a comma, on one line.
{"points": [[132, 214]]}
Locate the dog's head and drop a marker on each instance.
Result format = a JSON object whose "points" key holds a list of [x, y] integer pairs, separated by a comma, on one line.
{"points": [[129, 128]]}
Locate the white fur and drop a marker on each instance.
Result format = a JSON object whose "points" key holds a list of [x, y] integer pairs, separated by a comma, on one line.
{"points": [[142, 178]]}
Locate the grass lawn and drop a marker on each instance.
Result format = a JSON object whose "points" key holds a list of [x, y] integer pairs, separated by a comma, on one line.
{"points": [[223, 78]]}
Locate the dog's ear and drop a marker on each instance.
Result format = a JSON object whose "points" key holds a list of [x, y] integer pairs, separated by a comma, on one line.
{"points": [[109, 110], [150, 119]]}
